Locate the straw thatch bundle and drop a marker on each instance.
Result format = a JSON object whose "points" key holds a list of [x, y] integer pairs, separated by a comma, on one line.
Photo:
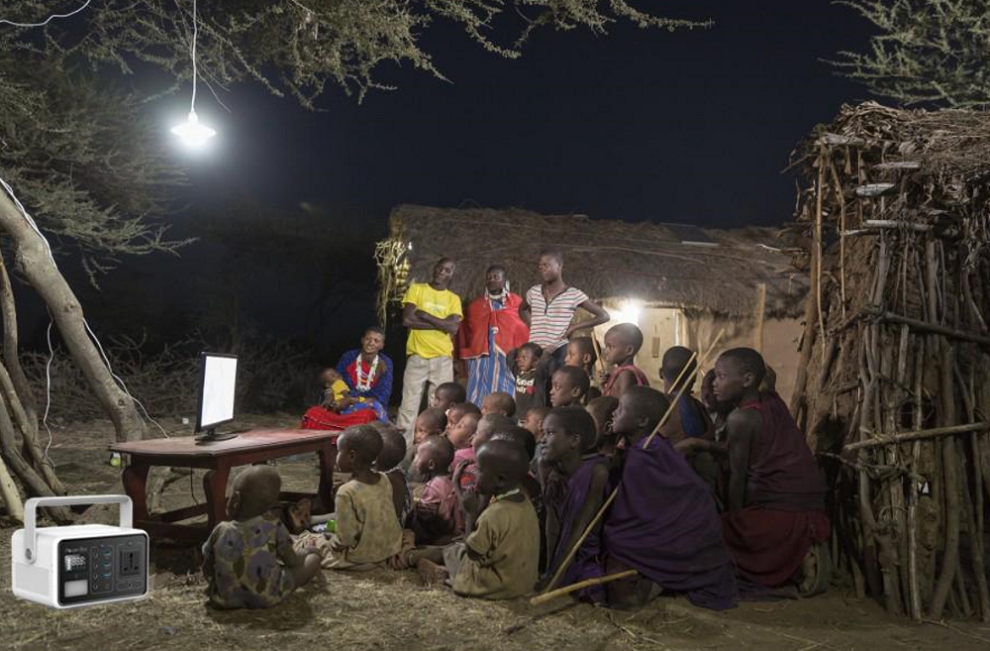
{"points": [[894, 386], [652, 263]]}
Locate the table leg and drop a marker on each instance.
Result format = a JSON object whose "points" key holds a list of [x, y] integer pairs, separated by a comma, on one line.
{"points": [[215, 487], [328, 460], [135, 478]]}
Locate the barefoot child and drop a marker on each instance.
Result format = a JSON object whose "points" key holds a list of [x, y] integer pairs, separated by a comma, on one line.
{"points": [[580, 488], [436, 518], [498, 403], [776, 493], [569, 386], [368, 533], [498, 559], [622, 342], [248, 560], [663, 522], [334, 387]]}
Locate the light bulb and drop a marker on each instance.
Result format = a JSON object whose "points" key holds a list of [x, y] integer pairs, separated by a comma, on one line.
{"points": [[192, 133]]}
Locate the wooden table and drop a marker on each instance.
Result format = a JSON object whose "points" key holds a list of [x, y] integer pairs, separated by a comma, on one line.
{"points": [[256, 446]]}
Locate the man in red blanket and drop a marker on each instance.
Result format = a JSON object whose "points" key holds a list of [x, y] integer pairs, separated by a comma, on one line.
{"points": [[776, 492]]}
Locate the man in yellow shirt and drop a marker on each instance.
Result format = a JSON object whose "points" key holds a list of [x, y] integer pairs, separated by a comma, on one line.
{"points": [[432, 313]]}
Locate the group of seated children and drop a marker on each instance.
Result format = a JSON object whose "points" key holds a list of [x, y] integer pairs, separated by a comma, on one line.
{"points": [[516, 499]]}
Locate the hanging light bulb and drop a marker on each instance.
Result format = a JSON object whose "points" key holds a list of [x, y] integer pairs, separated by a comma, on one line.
{"points": [[192, 132]]}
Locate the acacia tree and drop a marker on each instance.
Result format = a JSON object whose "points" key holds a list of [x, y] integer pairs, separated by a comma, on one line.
{"points": [[88, 166], [927, 52]]}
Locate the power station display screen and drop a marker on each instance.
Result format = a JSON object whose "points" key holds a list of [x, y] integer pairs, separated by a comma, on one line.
{"points": [[96, 569], [216, 404]]}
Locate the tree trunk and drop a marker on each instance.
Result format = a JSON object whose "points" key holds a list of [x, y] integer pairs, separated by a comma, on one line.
{"points": [[8, 493], [35, 263]]}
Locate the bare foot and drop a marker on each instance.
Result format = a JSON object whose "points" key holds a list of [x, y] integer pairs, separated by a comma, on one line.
{"points": [[430, 573]]}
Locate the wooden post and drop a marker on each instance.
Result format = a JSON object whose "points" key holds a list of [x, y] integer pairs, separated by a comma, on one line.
{"points": [[761, 309]]}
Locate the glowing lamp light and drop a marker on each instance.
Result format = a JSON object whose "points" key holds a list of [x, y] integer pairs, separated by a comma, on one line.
{"points": [[629, 312], [192, 132]]}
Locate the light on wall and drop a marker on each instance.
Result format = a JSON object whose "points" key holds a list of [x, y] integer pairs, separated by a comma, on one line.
{"points": [[629, 311]]}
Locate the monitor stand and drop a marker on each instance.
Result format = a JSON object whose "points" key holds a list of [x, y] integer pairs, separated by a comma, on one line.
{"points": [[211, 435]]}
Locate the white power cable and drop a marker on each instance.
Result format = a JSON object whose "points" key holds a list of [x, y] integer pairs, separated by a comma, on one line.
{"points": [[195, 36], [47, 20]]}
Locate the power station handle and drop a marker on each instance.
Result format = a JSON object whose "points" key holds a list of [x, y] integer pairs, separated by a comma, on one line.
{"points": [[32, 505]]}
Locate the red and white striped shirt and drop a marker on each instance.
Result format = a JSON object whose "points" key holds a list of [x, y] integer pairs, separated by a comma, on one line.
{"points": [[551, 320]]}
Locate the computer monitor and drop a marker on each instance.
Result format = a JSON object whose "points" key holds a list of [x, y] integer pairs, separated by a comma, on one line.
{"points": [[218, 384]]}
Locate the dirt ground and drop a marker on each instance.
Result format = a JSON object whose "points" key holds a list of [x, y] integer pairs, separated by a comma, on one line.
{"points": [[384, 610]]}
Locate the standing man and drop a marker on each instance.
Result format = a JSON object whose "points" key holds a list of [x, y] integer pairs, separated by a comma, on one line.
{"points": [[550, 308], [492, 327], [432, 313]]}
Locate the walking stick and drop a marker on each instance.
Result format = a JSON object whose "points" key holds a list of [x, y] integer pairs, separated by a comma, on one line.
{"points": [[611, 498]]}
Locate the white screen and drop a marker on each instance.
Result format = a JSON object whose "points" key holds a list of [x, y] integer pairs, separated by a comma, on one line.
{"points": [[219, 382]]}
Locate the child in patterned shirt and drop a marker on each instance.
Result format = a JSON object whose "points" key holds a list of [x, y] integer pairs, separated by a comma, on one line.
{"points": [[248, 560]]}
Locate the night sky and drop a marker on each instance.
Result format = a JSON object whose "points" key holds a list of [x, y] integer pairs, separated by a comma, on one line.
{"points": [[691, 126]]}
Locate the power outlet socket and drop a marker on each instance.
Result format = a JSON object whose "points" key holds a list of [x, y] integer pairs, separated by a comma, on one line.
{"points": [[130, 562]]}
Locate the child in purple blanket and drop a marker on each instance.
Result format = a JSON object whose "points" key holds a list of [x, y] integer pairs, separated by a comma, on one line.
{"points": [[663, 522], [577, 486]]}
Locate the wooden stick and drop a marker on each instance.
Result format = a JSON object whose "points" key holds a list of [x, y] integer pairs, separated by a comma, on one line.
{"points": [[933, 328], [611, 498], [598, 350], [900, 437], [580, 585]]}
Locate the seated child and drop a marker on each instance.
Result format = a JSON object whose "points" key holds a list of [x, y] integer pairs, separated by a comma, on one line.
{"points": [[334, 387], [464, 467], [601, 409], [530, 378], [437, 516], [498, 402], [581, 353], [775, 502], [432, 422], [622, 342], [689, 419], [663, 522], [572, 501], [241, 557], [455, 411], [533, 421], [389, 462], [367, 531], [446, 395], [569, 386], [523, 437], [499, 558]]}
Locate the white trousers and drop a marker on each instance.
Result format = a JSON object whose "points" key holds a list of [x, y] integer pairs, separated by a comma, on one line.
{"points": [[421, 375]]}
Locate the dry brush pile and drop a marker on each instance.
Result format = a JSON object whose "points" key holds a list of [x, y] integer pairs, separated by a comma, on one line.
{"points": [[894, 387]]}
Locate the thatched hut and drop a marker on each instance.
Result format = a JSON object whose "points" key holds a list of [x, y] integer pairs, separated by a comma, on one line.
{"points": [[681, 284], [895, 383]]}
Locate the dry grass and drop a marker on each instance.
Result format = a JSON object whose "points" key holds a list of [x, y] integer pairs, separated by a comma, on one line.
{"points": [[390, 610]]}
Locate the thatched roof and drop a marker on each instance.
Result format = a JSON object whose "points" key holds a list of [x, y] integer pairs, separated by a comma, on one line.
{"points": [[659, 264]]}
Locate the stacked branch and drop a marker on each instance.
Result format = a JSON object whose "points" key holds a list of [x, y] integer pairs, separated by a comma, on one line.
{"points": [[894, 385]]}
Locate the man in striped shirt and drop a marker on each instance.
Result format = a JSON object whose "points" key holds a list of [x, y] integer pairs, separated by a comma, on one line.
{"points": [[550, 307]]}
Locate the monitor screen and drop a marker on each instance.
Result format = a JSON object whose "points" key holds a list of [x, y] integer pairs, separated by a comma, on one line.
{"points": [[216, 398]]}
